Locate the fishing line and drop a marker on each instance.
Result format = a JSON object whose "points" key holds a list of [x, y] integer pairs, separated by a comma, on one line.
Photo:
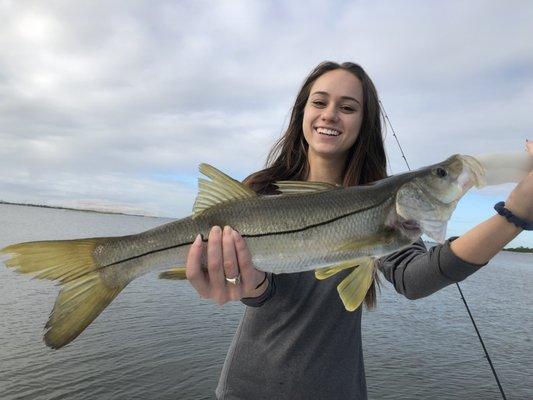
{"points": [[487, 356]]}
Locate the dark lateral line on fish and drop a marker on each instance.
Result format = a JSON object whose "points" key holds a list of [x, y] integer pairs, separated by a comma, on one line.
{"points": [[250, 236]]}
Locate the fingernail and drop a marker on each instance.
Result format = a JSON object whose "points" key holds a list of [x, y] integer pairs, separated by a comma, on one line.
{"points": [[198, 240], [227, 229], [216, 229]]}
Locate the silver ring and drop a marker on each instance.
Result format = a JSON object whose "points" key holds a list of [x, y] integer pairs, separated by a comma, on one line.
{"points": [[234, 281]]}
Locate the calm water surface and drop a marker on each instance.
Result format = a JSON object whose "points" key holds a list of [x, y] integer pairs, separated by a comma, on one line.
{"points": [[158, 340]]}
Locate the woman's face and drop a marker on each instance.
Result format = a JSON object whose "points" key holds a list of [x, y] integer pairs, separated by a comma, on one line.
{"points": [[333, 114]]}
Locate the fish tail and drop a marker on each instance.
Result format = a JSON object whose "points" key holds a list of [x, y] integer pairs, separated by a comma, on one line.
{"points": [[83, 296], [78, 304], [177, 273]]}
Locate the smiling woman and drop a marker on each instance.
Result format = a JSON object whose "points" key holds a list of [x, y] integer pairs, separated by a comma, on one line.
{"points": [[295, 340]]}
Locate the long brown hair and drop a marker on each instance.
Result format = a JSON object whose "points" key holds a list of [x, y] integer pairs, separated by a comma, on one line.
{"points": [[366, 162]]}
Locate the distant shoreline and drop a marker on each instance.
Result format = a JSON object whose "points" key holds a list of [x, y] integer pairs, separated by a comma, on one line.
{"points": [[76, 209], [520, 249]]}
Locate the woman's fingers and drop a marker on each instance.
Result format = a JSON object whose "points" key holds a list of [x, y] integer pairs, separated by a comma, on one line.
{"points": [[250, 275], [227, 256], [195, 275], [217, 283], [231, 266]]}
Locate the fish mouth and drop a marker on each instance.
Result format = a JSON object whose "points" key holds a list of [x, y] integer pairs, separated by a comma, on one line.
{"points": [[473, 173]]}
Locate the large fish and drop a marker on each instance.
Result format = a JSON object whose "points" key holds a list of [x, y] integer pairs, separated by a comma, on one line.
{"points": [[309, 226]]}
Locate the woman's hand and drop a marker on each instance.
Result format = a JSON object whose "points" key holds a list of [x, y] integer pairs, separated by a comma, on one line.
{"points": [[484, 241], [520, 200], [227, 257]]}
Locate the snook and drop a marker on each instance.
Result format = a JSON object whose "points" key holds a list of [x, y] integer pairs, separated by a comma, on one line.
{"points": [[309, 226]]}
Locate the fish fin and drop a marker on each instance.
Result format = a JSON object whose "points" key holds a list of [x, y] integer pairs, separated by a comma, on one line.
{"points": [[326, 272], [79, 302], [352, 290], [295, 187], [435, 229], [61, 260], [83, 294], [219, 189], [174, 273]]}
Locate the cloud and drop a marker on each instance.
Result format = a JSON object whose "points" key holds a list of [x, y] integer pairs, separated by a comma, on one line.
{"points": [[123, 95]]}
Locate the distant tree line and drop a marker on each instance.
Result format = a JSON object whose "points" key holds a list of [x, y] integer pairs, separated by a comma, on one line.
{"points": [[520, 249], [70, 208]]}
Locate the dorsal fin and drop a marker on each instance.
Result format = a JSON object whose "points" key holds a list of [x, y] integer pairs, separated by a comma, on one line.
{"points": [[294, 187], [219, 189]]}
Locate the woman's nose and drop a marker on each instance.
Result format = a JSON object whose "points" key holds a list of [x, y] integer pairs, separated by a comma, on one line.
{"points": [[329, 114]]}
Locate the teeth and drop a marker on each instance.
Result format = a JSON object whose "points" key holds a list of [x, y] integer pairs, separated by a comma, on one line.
{"points": [[329, 132]]}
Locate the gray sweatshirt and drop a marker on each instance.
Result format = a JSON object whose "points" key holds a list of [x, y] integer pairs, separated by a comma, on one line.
{"points": [[297, 341]]}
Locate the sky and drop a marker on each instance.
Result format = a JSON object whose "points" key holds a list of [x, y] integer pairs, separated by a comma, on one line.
{"points": [[112, 105]]}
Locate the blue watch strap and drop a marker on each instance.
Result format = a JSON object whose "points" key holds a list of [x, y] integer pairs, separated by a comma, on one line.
{"points": [[500, 208]]}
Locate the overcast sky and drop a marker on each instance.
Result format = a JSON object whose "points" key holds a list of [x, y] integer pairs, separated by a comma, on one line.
{"points": [[115, 103]]}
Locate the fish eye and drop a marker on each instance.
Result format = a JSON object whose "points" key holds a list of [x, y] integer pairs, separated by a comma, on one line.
{"points": [[441, 172]]}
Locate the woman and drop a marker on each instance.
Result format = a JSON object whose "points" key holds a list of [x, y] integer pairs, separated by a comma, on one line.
{"points": [[296, 340]]}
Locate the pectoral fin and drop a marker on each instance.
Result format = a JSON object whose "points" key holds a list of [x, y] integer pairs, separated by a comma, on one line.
{"points": [[435, 229], [352, 290]]}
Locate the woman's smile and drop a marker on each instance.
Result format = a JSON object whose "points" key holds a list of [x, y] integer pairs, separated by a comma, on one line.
{"points": [[331, 132]]}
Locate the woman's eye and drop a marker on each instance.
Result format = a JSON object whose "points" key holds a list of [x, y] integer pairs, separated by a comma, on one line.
{"points": [[348, 108], [318, 103]]}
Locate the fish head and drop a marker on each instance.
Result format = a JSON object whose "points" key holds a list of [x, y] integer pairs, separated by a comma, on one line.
{"points": [[426, 201]]}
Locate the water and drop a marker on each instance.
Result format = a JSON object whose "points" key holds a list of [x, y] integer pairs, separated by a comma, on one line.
{"points": [[159, 340]]}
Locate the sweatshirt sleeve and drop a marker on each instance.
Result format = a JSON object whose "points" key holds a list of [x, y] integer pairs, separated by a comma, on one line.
{"points": [[267, 294], [416, 272]]}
